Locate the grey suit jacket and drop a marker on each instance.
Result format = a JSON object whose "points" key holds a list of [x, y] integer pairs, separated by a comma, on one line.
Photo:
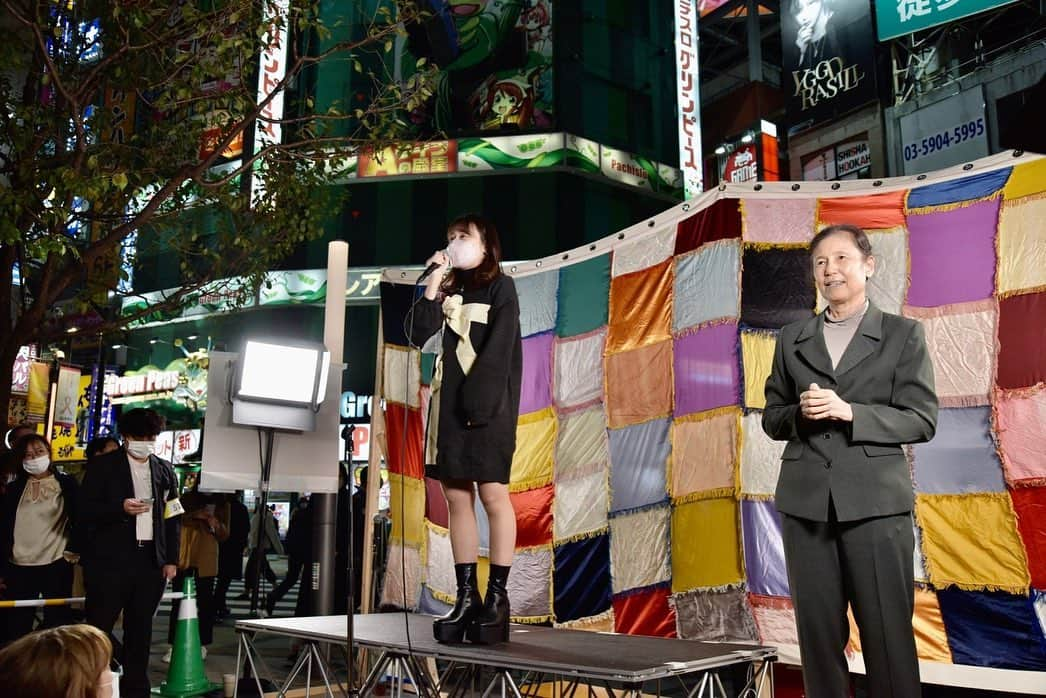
{"points": [[887, 377]]}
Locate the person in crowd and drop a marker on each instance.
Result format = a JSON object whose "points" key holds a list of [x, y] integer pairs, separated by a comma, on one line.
{"points": [[36, 537], [70, 661], [257, 562], [205, 524], [99, 446], [298, 545], [341, 537], [130, 517], [230, 552], [846, 390], [473, 413]]}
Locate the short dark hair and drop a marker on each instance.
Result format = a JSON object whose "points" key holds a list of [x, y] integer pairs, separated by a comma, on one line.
{"points": [[141, 422], [97, 444], [860, 238], [490, 268]]}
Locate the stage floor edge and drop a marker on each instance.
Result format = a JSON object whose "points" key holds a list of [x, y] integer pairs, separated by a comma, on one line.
{"points": [[593, 655]]}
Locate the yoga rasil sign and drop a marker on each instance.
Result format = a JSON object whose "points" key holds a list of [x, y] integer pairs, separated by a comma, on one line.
{"points": [[827, 58]]}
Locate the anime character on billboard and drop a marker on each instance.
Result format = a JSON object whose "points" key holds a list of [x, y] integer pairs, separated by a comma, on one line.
{"points": [[510, 101], [537, 21], [474, 44]]}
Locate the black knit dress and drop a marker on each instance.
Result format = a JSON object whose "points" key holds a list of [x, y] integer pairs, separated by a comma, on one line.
{"points": [[475, 411]]}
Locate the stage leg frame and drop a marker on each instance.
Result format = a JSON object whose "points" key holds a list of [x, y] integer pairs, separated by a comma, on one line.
{"points": [[309, 656], [401, 667]]}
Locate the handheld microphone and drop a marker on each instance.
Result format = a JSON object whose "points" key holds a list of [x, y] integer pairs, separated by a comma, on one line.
{"points": [[429, 269]]}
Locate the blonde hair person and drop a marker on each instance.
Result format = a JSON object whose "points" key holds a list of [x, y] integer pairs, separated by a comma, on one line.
{"points": [[70, 661]]}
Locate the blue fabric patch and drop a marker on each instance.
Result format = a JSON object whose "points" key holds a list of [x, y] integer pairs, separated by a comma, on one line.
{"points": [[430, 604], [961, 458], [537, 301], [707, 285], [992, 629], [764, 549], [581, 578], [638, 462], [975, 187]]}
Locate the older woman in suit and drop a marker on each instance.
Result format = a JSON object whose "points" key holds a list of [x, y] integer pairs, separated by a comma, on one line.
{"points": [[846, 390]]}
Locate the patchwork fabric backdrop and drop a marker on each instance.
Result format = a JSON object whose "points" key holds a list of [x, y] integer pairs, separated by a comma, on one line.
{"points": [[642, 482]]}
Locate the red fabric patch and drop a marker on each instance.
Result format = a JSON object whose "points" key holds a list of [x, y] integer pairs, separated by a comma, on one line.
{"points": [[1022, 340], [719, 221], [876, 211], [405, 456], [645, 612], [1030, 505], [436, 504], [533, 516]]}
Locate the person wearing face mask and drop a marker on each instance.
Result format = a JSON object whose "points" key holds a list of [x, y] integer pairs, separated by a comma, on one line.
{"points": [[130, 516], [36, 530], [473, 412]]}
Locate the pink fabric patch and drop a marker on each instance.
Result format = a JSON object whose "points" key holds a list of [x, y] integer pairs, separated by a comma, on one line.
{"points": [[778, 220], [1019, 419]]}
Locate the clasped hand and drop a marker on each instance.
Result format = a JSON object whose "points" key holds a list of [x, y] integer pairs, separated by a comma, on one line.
{"points": [[133, 507], [822, 403]]}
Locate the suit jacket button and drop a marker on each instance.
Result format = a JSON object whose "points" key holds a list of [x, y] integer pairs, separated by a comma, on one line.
{"points": [[827, 436], [828, 465]]}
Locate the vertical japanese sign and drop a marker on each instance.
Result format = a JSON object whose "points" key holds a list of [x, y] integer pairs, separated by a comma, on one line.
{"points": [[900, 17], [67, 396], [687, 97], [271, 71]]}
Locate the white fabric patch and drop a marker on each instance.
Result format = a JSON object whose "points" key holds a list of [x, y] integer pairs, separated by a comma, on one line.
{"points": [[646, 251], [580, 506], [889, 283], [397, 591], [439, 574], [760, 457], [639, 549], [402, 376], [579, 369], [530, 583]]}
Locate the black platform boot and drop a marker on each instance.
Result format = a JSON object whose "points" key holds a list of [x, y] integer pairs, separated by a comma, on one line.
{"points": [[451, 627], [491, 625]]}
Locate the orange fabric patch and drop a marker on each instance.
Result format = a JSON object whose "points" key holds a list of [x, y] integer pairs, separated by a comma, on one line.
{"points": [[639, 384], [640, 308], [533, 516], [931, 642], [878, 211], [645, 612], [405, 454]]}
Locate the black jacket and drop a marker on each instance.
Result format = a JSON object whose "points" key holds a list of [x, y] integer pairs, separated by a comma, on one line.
{"points": [[9, 511], [108, 531]]}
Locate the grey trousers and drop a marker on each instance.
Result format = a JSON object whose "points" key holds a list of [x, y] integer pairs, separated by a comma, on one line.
{"points": [[868, 565]]}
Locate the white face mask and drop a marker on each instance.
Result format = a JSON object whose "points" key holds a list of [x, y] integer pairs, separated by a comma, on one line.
{"points": [[35, 466], [465, 253], [140, 449]]}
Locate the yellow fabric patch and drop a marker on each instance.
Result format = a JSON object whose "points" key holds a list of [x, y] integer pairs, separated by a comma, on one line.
{"points": [[706, 550], [408, 522], [1022, 245], [704, 452], [757, 352], [1026, 180], [971, 541], [535, 446]]}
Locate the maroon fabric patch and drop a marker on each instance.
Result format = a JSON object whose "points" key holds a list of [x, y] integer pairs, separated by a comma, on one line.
{"points": [[436, 504], [1022, 340], [719, 221], [1030, 505]]}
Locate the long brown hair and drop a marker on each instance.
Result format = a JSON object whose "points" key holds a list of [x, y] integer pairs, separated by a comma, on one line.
{"points": [[62, 662], [489, 269]]}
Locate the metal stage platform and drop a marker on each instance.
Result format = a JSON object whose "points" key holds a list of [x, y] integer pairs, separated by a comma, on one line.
{"points": [[629, 664]]}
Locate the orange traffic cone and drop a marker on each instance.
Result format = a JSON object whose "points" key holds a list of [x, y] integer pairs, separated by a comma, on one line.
{"points": [[186, 677]]}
